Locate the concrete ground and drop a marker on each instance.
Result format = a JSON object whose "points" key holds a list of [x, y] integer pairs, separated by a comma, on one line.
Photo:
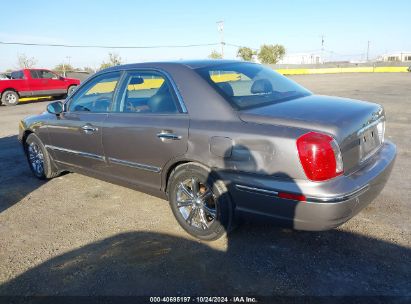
{"points": [[76, 235]]}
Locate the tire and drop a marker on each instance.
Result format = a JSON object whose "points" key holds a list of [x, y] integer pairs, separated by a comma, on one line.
{"points": [[71, 89], [205, 214], [60, 97], [38, 158], [10, 98]]}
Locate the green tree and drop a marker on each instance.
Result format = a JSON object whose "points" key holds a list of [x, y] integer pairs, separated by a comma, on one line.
{"points": [[113, 60], [25, 62], [215, 55], [63, 68], [271, 53], [245, 53]]}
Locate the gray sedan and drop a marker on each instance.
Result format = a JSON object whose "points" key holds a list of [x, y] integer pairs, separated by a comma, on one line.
{"points": [[219, 140]]}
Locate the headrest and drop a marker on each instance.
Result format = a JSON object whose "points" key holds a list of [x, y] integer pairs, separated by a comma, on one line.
{"points": [[261, 86], [136, 80], [226, 87]]}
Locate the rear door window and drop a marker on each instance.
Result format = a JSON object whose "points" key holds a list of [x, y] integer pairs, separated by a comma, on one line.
{"points": [[17, 75], [146, 92]]}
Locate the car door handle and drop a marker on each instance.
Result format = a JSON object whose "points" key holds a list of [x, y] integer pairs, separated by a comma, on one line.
{"points": [[167, 135], [88, 129]]}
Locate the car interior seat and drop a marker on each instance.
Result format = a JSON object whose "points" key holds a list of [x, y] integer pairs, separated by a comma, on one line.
{"points": [[226, 88], [162, 101], [262, 86]]}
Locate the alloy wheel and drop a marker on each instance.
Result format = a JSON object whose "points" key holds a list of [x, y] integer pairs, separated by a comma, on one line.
{"points": [[36, 158], [196, 203], [11, 98]]}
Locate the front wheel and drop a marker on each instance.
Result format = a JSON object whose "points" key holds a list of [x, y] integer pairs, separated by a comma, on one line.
{"points": [[71, 89], [38, 158], [10, 98], [200, 202]]}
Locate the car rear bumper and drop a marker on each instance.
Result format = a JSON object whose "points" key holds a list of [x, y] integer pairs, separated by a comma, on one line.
{"points": [[328, 204]]}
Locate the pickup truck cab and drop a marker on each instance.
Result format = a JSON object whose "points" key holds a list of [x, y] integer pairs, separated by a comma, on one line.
{"points": [[34, 83]]}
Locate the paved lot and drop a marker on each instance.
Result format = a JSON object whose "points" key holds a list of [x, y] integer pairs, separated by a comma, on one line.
{"points": [[75, 235]]}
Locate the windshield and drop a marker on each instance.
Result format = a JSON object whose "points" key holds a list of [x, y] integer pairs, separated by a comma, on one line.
{"points": [[248, 85]]}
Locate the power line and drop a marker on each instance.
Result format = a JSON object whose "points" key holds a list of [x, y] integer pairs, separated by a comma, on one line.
{"points": [[108, 46], [239, 46]]}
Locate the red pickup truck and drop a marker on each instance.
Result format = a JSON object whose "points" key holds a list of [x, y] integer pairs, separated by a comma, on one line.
{"points": [[34, 83]]}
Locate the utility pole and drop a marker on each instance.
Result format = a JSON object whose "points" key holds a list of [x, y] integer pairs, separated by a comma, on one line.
{"points": [[68, 58], [322, 48], [368, 51], [322, 42], [220, 27]]}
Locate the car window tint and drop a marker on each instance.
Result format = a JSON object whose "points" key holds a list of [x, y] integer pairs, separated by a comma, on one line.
{"points": [[251, 85], [96, 95], [146, 92], [47, 74], [34, 74], [17, 75]]}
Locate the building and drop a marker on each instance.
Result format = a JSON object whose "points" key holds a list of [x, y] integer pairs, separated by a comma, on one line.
{"points": [[302, 58], [396, 57]]}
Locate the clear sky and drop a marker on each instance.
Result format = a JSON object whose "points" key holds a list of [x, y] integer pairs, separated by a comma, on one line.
{"points": [[347, 25]]}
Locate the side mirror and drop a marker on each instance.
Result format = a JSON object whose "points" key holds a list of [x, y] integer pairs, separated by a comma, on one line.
{"points": [[55, 108], [61, 78]]}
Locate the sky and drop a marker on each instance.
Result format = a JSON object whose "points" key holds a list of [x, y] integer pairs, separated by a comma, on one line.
{"points": [[346, 25]]}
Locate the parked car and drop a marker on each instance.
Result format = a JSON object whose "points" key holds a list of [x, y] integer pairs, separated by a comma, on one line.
{"points": [[220, 140], [34, 83]]}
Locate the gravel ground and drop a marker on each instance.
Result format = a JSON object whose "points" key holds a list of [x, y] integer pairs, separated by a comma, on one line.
{"points": [[76, 235]]}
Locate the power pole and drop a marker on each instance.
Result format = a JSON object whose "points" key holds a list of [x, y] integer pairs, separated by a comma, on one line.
{"points": [[322, 48], [220, 27], [368, 50]]}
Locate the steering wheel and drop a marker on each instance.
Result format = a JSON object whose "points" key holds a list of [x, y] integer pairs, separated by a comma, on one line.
{"points": [[101, 103]]}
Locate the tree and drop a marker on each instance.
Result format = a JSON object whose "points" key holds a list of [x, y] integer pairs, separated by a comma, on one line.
{"points": [[88, 70], [25, 62], [113, 60], [215, 55], [270, 53], [63, 68], [245, 53]]}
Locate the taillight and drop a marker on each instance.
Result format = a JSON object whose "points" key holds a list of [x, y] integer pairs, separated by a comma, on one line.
{"points": [[320, 156]]}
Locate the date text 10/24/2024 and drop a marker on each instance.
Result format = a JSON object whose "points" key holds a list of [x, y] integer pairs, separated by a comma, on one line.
{"points": [[205, 299]]}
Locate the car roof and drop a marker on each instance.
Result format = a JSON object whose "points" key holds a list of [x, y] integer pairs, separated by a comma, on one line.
{"points": [[192, 64]]}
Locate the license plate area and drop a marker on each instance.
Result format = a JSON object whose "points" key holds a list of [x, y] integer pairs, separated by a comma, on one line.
{"points": [[369, 142]]}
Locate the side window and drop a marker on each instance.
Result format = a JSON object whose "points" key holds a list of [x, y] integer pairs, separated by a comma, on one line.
{"points": [[47, 74], [96, 95], [34, 74], [17, 75], [146, 92]]}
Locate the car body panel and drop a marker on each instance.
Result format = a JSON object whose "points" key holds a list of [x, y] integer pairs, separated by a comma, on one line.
{"points": [[73, 145], [133, 149]]}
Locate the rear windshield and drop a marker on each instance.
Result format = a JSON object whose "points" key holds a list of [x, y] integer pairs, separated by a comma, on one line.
{"points": [[247, 85]]}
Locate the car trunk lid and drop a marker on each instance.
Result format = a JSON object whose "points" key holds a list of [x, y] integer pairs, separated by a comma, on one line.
{"points": [[354, 124]]}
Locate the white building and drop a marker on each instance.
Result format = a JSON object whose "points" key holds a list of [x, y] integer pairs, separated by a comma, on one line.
{"points": [[302, 58], [396, 57]]}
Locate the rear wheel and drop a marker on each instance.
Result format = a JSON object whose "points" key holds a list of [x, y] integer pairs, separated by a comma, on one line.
{"points": [[200, 202], [10, 98], [38, 158]]}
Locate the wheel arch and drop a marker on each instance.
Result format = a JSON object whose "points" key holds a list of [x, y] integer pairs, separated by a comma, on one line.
{"points": [[10, 89], [177, 163], [26, 134]]}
